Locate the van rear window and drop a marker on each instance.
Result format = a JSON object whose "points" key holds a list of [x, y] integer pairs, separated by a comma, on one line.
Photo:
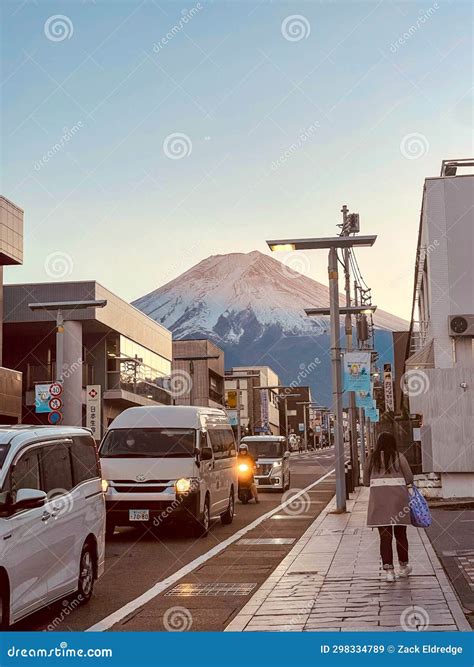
{"points": [[149, 443]]}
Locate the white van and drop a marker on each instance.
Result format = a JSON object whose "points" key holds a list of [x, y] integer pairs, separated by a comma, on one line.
{"points": [[52, 518], [272, 459], [169, 463]]}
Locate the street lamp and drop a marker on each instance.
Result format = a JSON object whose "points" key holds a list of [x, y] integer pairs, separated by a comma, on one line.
{"points": [[59, 307], [284, 397], [237, 377], [332, 244]]}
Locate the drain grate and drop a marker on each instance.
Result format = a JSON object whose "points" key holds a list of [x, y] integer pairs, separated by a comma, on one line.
{"points": [[267, 540], [211, 590]]}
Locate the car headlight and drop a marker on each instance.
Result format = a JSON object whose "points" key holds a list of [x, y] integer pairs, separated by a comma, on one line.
{"points": [[276, 464], [183, 485], [105, 485]]}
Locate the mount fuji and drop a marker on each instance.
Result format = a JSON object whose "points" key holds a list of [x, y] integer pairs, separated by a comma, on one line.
{"points": [[252, 306]]}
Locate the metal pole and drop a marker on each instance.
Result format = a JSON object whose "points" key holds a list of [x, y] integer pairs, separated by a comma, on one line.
{"points": [[286, 417], [336, 381], [59, 346], [348, 331], [239, 428], [305, 431]]}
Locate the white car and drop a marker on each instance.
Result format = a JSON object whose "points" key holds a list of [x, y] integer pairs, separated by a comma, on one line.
{"points": [[272, 460], [164, 463], [52, 518]]}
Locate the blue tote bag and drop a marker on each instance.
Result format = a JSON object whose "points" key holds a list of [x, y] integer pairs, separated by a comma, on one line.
{"points": [[419, 511]]}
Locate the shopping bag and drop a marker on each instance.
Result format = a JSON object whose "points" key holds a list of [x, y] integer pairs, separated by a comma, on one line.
{"points": [[419, 511]]}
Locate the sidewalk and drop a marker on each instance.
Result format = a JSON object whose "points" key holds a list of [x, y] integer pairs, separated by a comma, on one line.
{"points": [[332, 580]]}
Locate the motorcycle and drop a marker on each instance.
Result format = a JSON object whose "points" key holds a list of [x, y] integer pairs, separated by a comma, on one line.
{"points": [[245, 475]]}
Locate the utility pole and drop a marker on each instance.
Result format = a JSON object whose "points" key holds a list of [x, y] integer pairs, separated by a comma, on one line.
{"points": [[336, 380], [346, 230], [239, 426], [361, 410]]}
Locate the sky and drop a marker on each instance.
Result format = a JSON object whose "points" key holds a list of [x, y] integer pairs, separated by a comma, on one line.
{"points": [[142, 137]]}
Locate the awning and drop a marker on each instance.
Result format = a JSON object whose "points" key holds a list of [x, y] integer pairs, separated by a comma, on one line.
{"points": [[423, 358]]}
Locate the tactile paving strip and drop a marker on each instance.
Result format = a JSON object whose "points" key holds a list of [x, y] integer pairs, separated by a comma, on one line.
{"points": [[211, 590]]}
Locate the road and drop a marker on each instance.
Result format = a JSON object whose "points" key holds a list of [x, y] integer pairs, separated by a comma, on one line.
{"points": [[137, 559]]}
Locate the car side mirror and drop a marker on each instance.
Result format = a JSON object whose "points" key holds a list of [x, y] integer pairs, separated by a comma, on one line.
{"points": [[206, 454], [29, 498]]}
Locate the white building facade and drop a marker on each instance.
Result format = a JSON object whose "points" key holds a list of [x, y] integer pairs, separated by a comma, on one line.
{"points": [[439, 377]]}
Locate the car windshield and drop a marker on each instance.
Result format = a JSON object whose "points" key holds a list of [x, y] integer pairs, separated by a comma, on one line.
{"points": [[149, 443], [266, 449], [3, 452]]}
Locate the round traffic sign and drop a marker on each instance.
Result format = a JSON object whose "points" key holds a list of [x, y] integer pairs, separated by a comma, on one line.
{"points": [[55, 403], [55, 418], [56, 389]]}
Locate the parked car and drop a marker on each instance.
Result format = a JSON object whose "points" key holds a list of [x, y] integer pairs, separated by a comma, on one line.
{"points": [[52, 518], [273, 460], [169, 463]]}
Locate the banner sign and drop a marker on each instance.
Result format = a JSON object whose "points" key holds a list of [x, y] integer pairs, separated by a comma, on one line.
{"points": [[388, 388], [356, 375], [93, 409], [264, 414], [372, 414], [48, 397], [364, 399]]}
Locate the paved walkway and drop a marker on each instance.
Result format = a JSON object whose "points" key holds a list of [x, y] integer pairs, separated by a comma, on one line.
{"points": [[332, 580]]}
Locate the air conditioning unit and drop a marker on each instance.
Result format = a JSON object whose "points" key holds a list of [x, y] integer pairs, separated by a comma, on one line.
{"points": [[461, 325]]}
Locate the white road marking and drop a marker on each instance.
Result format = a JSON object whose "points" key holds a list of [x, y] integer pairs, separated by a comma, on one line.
{"points": [[160, 586]]}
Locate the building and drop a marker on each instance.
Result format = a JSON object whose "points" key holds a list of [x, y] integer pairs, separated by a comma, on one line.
{"points": [[258, 407], [11, 253], [439, 377], [294, 411], [103, 343], [197, 373]]}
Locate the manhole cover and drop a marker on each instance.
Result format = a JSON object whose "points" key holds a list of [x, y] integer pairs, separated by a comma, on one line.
{"points": [[267, 540], [211, 590], [466, 565]]}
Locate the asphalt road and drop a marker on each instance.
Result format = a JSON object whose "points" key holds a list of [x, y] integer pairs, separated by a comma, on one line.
{"points": [[137, 559]]}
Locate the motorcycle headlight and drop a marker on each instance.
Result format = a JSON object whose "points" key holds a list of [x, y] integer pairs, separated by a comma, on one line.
{"points": [[183, 485], [243, 467]]}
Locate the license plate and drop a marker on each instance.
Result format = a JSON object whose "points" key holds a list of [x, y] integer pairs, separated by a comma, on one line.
{"points": [[138, 515]]}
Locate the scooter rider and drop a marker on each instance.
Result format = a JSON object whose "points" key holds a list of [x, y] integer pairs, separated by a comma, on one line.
{"points": [[245, 457]]}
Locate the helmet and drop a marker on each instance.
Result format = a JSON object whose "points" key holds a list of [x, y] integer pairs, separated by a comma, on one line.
{"points": [[243, 448]]}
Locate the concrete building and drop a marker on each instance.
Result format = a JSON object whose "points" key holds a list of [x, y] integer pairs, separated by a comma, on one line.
{"points": [[258, 407], [439, 378], [122, 353], [197, 376], [292, 411], [11, 253]]}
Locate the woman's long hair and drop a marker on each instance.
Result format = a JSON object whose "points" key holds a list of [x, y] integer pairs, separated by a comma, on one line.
{"points": [[385, 454]]}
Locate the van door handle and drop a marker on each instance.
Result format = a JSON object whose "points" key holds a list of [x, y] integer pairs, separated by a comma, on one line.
{"points": [[45, 516]]}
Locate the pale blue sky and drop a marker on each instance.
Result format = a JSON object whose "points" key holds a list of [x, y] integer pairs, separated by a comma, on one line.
{"points": [[342, 98]]}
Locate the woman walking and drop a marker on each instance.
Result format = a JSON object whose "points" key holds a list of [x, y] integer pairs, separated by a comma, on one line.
{"points": [[388, 474]]}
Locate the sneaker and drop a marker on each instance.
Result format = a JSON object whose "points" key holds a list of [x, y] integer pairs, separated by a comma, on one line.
{"points": [[405, 570], [390, 575]]}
